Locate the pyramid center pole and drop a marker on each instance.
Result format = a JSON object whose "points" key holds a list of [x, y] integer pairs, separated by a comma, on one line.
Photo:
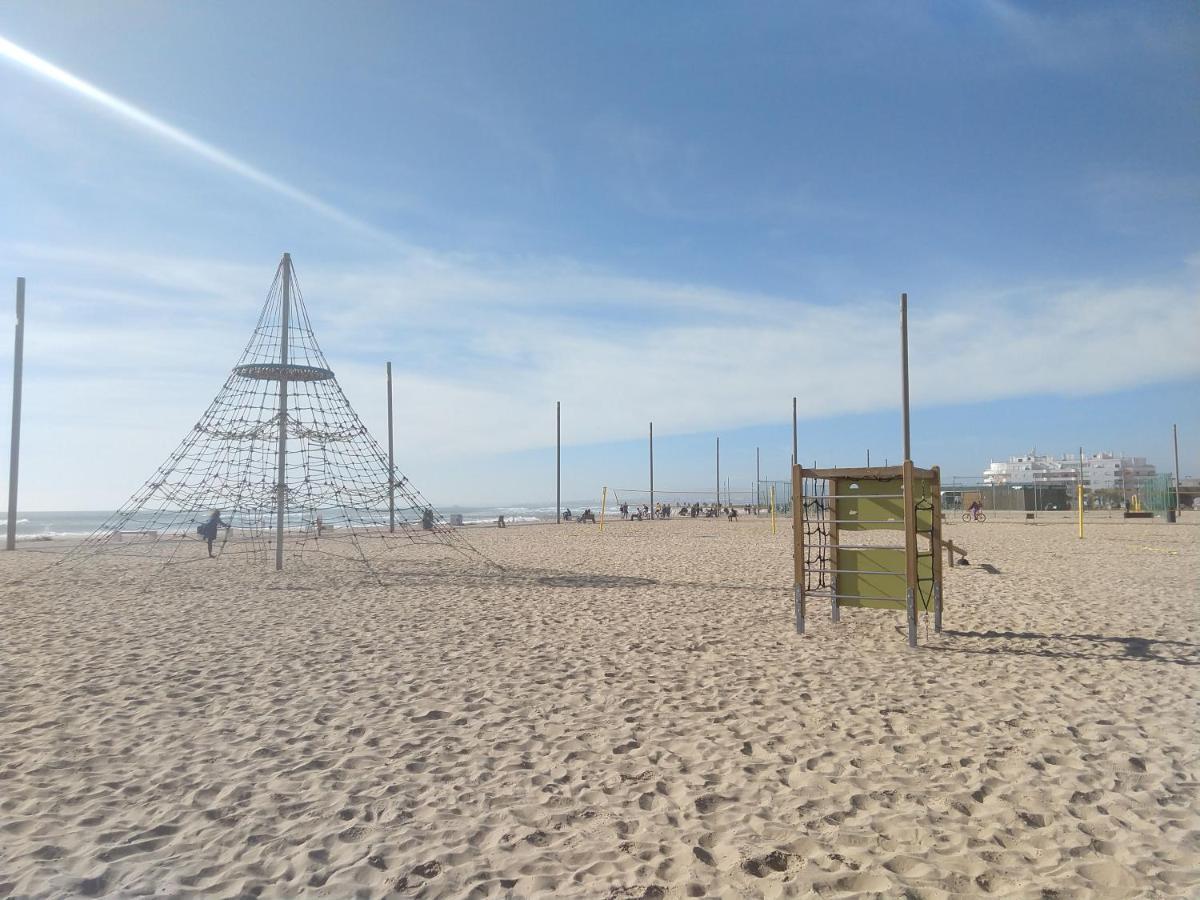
{"points": [[281, 478], [14, 457], [391, 458]]}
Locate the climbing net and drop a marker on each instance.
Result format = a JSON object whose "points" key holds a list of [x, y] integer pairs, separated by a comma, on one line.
{"points": [[817, 521], [335, 476]]}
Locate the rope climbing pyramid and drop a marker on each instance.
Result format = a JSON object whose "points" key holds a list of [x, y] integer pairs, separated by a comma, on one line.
{"points": [[278, 467]]}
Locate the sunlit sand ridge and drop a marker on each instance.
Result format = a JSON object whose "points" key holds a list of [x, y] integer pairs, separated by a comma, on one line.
{"points": [[626, 714]]}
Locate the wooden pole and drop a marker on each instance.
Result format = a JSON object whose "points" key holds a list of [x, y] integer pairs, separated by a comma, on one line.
{"points": [[1174, 435], [935, 549], [651, 470], [904, 371], [14, 457], [281, 476], [910, 551], [798, 546], [835, 488], [558, 462], [391, 457]]}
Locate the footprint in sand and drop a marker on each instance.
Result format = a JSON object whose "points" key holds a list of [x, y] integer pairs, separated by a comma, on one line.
{"points": [[432, 715], [772, 863]]}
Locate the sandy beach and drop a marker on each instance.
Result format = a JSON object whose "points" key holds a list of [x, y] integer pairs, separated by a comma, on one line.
{"points": [[622, 714]]}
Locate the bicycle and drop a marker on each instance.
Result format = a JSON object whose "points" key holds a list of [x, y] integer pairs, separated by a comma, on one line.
{"points": [[977, 517]]}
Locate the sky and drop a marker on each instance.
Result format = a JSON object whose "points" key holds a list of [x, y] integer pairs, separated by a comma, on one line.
{"points": [[678, 213]]}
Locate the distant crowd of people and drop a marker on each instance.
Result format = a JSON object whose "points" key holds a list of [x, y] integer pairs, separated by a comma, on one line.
{"points": [[692, 511]]}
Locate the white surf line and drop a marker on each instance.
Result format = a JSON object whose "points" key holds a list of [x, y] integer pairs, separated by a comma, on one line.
{"points": [[181, 138]]}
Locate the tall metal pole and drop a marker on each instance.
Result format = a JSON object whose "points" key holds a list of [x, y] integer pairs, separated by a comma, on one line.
{"points": [[757, 478], [14, 457], [718, 473], [391, 458], [652, 470], [281, 476], [1174, 434], [904, 371], [795, 451], [558, 462], [1079, 499]]}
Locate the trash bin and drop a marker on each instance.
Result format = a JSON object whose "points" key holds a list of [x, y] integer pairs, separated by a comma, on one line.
{"points": [[1170, 515]]}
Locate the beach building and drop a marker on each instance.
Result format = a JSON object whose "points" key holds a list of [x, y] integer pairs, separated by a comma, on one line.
{"points": [[1101, 471]]}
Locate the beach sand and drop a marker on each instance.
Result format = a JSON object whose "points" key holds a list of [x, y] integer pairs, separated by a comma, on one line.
{"points": [[627, 714]]}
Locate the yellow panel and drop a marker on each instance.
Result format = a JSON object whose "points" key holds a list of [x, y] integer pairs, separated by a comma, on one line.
{"points": [[868, 505], [858, 576]]}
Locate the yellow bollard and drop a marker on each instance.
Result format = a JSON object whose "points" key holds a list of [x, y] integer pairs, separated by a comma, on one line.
{"points": [[603, 503], [772, 509]]}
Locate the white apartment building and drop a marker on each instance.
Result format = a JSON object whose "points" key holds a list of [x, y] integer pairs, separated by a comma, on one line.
{"points": [[1100, 470]]}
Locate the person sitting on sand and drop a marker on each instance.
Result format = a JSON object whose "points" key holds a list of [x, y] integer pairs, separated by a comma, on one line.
{"points": [[208, 530], [733, 514], [588, 516]]}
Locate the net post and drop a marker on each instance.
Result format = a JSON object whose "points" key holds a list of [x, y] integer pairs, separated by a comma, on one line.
{"points": [[557, 462], [603, 504], [651, 470], [1178, 487], [1079, 493], [281, 478], [14, 458]]}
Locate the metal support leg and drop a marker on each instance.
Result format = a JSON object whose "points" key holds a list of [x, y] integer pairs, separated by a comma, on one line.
{"points": [[910, 606], [937, 608], [835, 612], [799, 598]]}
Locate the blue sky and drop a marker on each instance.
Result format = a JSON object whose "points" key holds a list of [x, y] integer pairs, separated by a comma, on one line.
{"points": [[678, 213]]}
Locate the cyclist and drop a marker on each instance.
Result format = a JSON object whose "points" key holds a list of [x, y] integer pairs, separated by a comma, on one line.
{"points": [[975, 509]]}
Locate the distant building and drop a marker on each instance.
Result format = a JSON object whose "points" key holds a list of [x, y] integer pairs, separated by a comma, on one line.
{"points": [[1100, 471]]}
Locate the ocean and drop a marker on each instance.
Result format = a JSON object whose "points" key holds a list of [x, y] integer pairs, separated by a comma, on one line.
{"points": [[76, 524]]}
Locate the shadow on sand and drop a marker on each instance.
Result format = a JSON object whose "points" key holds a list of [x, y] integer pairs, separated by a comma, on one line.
{"points": [[1056, 646]]}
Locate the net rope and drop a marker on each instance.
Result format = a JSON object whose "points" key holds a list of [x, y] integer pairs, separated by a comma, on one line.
{"points": [[816, 516]]}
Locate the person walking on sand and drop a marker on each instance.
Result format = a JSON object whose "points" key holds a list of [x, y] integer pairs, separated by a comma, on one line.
{"points": [[208, 530]]}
